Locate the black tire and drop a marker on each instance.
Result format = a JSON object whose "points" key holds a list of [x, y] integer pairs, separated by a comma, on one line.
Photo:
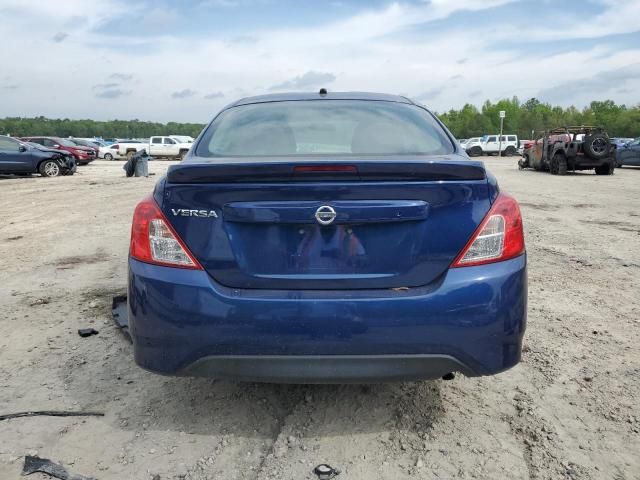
{"points": [[50, 168], [509, 151], [183, 153], [562, 164], [474, 151], [108, 157], [558, 165], [606, 169], [596, 146]]}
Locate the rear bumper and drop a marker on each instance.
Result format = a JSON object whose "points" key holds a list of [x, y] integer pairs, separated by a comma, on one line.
{"points": [[324, 368], [472, 321]]}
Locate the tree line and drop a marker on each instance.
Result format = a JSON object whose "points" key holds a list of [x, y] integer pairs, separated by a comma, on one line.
{"points": [[533, 115], [25, 127], [469, 121]]}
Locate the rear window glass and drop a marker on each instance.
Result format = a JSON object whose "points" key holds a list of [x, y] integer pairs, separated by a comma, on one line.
{"points": [[324, 127]]}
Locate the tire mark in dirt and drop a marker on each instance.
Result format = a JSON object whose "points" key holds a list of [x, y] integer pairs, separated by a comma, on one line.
{"points": [[281, 405], [537, 439]]}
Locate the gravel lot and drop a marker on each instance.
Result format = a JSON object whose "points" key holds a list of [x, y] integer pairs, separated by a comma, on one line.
{"points": [[569, 410]]}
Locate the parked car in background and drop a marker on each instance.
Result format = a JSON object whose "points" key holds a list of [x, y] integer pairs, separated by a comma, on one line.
{"points": [[85, 143], [507, 145], [182, 138], [629, 153], [83, 155], [473, 146], [125, 149], [524, 145], [167, 147], [94, 142], [619, 142], [159, 146], [341, 237], [109, 152], [18, 157], [571, 148], [68, 157]]}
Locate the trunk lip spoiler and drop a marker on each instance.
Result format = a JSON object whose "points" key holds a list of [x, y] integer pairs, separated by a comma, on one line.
{"points": [[278, 169]]}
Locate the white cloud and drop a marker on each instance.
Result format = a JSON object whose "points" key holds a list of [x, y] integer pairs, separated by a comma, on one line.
{"points": [[367, 51], [306, 81]]}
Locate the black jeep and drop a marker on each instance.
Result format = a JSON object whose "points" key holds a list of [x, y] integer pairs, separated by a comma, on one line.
{"points": [[571, 148]]}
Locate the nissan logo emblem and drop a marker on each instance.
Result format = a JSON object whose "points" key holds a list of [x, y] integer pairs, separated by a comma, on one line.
{"points": [[325, 215]]}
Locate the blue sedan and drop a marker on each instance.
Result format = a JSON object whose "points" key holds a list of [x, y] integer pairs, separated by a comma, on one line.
{"points": [[327, 238], [24, 158]]}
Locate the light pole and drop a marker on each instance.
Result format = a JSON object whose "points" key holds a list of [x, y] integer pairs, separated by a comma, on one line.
{"points": [[502, 115]]}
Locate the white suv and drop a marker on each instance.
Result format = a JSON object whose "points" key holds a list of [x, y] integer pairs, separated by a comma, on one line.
{"points": [[491, 144]]}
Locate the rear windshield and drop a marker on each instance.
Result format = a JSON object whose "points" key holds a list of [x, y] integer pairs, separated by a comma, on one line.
{"points": [[324, 128]]}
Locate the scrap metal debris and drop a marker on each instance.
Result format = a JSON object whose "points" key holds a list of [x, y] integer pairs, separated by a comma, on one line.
{"points": [[44, 465], [87, 332], [326, 472], [50, 413], [120, 314]]}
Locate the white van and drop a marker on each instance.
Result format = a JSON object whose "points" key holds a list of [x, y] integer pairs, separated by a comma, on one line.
{"points": [[491, 144]]}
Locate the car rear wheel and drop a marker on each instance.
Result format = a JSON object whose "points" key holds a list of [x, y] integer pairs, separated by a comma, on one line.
{"points": [[108, 156], [606, 169], [49, 168], [509, 151]]}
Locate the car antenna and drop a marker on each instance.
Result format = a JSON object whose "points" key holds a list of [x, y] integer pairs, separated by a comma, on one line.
{"points": [[323, 92]]}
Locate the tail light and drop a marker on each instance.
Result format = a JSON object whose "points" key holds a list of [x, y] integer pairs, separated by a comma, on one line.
{"points": [[499, 237], [153, 240]]}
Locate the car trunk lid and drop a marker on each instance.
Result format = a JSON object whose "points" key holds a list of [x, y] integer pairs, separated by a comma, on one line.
{"points": [[340, 224]]}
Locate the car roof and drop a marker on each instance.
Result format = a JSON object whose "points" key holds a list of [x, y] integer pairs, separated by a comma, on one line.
{"points": [[297, 96], [45, 136]]}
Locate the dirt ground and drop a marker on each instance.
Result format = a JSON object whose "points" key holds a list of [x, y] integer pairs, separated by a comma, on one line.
{"points": [[569, 410]]}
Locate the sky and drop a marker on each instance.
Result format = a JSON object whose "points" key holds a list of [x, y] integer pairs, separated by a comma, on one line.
{"points": [[184, 60]]}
